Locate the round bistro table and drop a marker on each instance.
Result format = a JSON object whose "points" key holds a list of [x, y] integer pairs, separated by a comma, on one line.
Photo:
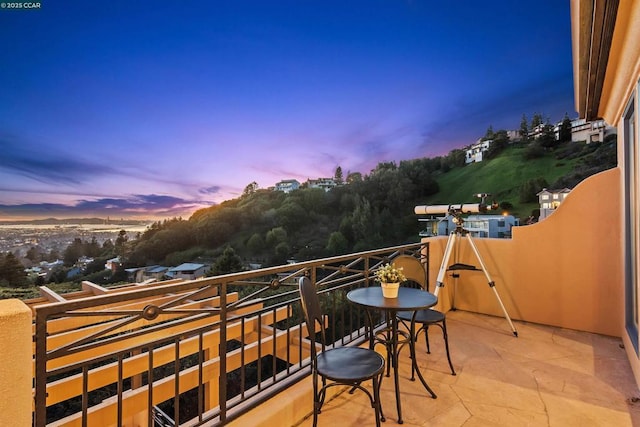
{"points": [[409, 299]]}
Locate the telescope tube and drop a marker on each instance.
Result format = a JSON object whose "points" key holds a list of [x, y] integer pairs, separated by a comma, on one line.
{"points": [[464, 208]]}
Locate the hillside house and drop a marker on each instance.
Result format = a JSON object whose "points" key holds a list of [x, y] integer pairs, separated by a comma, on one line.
{"points": [[475, 152], [112, 264], [325, 183], [590, 131], [550, 200], [188, 271], [494, 226], [156, 272], [287, 185]]}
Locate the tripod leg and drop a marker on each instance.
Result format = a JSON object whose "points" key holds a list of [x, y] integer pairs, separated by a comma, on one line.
{"points": [[492, 284], [445, 263]]}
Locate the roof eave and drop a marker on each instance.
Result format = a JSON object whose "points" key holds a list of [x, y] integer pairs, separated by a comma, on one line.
{"points": [[593, 21]]}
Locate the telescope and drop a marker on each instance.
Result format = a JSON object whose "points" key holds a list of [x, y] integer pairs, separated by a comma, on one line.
{"points": [[458, 209]]}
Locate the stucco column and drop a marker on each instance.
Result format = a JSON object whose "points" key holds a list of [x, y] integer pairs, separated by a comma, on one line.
{"points": [[16, 363]]}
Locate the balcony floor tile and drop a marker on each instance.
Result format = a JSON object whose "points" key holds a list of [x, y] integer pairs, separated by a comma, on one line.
{"points": [[544, 377]]}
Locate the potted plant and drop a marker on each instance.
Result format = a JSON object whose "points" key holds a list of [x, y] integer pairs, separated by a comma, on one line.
{"points": [[389, 277]]}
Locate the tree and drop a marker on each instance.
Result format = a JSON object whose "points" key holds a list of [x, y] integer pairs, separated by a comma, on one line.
{"points": [[12, 271], [73, 252], [499, 143], [353, 177], [547, 137], [338, 175], [536, 121], [362, 219], [275, 236], [120, 245], [456, 158], [255, 244], [33, 254], [108, 248], [250, 189], [564, 133], [489, 134], [524, 129], [228, 262], [92, 249], [530, 189], [337, 243]]}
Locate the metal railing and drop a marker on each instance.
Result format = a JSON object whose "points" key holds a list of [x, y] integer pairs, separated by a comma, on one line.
{"points": [[191, 352]]}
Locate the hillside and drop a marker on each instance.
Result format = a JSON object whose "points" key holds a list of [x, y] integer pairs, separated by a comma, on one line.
{"points": [[504, 176]]}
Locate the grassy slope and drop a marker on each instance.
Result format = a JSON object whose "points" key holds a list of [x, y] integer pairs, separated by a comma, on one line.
{"points": [[501, 177]]}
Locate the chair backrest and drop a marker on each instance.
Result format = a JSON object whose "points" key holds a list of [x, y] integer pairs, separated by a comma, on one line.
{"points": [[413, 269], [311, 309]]}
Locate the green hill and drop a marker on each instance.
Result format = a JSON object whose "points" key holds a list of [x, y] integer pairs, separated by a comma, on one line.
{"points": [[504, 175]]}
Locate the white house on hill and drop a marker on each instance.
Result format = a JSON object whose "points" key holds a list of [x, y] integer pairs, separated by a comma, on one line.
{"points": [[475, 152], [287, 185], [325, 183], [550, 200]]}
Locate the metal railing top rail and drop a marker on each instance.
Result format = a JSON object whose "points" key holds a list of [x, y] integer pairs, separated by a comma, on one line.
{"points": [[127, 324]]}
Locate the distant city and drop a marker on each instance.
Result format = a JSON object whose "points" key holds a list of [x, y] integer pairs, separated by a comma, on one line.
{"points": [[51, 236]]}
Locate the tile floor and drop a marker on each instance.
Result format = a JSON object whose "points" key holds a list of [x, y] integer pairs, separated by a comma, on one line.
{"points": [[544, 377]]}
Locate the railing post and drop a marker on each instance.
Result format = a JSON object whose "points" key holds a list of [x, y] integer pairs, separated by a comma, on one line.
{"points": [[222, 389], [16, 367]]}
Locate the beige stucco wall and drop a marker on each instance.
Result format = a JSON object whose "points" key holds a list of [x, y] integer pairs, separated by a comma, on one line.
{"points": [[564, 271], [620, 84], [15, 369]]}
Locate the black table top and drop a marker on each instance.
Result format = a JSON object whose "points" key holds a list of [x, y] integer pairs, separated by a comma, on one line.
{"points": [[409, 299]]}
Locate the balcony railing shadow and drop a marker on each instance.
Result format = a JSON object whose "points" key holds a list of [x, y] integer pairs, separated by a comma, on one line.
{"points": [[201, 352]]}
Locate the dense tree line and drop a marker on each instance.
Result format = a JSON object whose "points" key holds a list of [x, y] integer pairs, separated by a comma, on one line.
{"points": [[270, 227]]}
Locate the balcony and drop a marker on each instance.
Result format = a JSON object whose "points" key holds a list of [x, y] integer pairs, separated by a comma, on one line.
{"points": [[232, 350]]}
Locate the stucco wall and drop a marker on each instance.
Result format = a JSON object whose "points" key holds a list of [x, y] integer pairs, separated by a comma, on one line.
{"points": [[15, 369], [564, 271]]}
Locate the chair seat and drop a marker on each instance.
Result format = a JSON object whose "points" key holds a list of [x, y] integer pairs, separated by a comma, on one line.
{"points": [[422, 316], [350, 364]]}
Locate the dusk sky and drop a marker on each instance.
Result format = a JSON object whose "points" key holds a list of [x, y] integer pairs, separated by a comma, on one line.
{"points": [[153, 109]]}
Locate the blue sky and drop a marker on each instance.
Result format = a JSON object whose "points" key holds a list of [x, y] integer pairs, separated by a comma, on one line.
{"points": [[153, 109]]}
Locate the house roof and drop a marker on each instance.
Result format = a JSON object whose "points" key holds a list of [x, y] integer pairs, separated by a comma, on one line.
{"points": [[547, 191], [156, 269], [187, 266]]}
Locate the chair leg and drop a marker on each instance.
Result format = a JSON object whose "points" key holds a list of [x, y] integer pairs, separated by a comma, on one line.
{"points": [[316, 402], [446, 345], [376, 401], [414, 340], [426, 338]]}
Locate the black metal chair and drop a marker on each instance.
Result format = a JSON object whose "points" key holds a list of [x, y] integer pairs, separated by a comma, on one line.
{"points": [[414, 272], [348, 366]]}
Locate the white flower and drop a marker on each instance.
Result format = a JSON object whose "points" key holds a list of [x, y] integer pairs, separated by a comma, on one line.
{"points": [[389, 273]]}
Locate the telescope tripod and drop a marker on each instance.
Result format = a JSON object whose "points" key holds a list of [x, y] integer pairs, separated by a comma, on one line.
{"points": [[453, 237]]}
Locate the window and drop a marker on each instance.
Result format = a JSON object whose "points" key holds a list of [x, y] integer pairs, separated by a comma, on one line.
{"points": [[631, 220]]}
